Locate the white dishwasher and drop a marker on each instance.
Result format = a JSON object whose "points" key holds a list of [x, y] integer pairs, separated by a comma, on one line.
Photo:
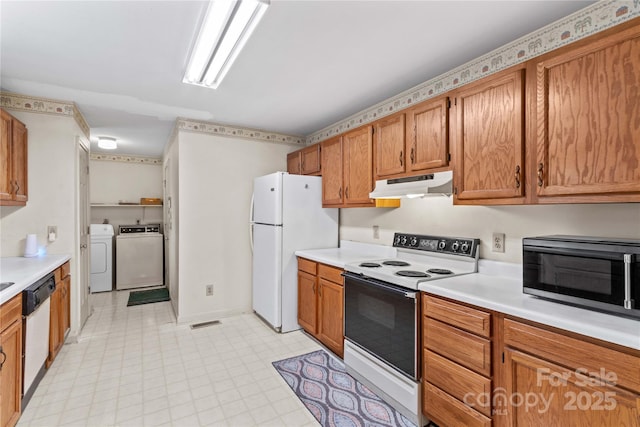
{"points": [[139, 256]]}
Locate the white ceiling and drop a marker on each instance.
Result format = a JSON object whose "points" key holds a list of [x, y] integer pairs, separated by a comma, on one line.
{"points": [[308, 64]]}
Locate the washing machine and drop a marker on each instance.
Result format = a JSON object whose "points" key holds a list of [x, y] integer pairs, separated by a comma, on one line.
{"points": [[101, 257], [139, 256]]}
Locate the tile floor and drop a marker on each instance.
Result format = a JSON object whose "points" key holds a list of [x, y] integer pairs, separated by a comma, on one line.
{"points": [[133, 366]]}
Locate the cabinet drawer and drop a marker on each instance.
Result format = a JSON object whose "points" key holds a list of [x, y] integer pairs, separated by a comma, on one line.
{"points": [[332, 274], [462, 347], [457, 381], [574, 353], [10, 311], [469, 319], [65, 269], [448, 411], [307, 266]]}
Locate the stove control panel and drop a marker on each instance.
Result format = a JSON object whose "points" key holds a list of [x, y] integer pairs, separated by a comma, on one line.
{"points": [[445, 245]]}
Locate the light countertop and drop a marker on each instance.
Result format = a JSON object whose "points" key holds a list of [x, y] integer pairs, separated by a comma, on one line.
{"points": [[348, 252], [26, 271], [491, 288]]}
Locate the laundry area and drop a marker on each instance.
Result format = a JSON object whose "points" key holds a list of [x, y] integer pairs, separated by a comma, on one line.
{"points": [[127, 241]]}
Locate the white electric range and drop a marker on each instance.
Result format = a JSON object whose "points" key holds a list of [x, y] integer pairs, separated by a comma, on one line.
{"points": [[382, 313]]}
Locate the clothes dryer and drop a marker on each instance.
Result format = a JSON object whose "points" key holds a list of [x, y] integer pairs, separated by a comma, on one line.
{"points": [[101, 258]]}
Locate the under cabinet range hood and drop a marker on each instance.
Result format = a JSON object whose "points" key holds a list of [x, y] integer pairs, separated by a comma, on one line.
{"points": [[435, 184]]}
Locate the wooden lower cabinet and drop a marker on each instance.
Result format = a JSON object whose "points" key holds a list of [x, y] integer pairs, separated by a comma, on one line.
{"points": [[545, 394], [456, 363], [320, 303], [10, 361], [515, 373], [59, 317]]}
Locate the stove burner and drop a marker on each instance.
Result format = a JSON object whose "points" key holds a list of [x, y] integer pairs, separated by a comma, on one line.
{"points": [[411, 273], [396, 263], [439, 271], [370, 264]]}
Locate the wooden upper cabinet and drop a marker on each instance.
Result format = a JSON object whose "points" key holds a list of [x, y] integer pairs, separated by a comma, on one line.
{"points": [[427, 144], [389, 143], [358, 165], [588, 119], [13, 160], [490, 139], [310, 160], [331, 155], [6, 179], [293, 163]]}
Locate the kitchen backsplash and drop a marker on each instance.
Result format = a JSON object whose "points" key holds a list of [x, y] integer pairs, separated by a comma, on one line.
{"points": [[437, 215]]}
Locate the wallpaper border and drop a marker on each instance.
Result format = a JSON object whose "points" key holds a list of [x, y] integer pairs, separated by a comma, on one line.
{"points": [[125, 158], [583, 23], [183, 124], [34, 104]]}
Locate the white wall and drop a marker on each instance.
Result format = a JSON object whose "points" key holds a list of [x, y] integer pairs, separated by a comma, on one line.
{"points": [[438, 216], [52, 172], [215, 185], [112, 182]]}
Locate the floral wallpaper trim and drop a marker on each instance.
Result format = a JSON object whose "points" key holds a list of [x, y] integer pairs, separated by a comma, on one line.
{"points": [[126, 158], [34, 104], [583, 23], [238, 132]]}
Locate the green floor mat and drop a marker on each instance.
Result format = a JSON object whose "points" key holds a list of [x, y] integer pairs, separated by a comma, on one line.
{"points": [[148, 297]]}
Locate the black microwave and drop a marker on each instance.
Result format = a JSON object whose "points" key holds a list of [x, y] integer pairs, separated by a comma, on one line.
{"points": [[594, 272]]}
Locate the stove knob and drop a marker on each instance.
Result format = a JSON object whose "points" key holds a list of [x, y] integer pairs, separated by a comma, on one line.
{"points": [[397, 240], [455, 246], [465, 247], [442, 244], [414, 241], [403, 240]]}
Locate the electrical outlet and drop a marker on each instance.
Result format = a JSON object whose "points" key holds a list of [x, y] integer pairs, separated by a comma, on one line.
{"points": [[52, 233], [209, 290], [376, 232], [497, 242]]}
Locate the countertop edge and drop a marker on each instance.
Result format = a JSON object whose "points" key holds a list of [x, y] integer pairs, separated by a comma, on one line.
{"points": [[544, 312], [42, 269]]}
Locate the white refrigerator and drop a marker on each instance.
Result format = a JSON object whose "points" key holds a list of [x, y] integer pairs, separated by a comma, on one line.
{"points": [[286, 216]]}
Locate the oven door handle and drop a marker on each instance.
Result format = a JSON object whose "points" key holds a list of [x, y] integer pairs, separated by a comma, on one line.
{"points": [[611, 256], [377, 283]]}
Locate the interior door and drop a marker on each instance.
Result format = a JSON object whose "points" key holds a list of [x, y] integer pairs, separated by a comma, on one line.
{"points": [[83, 226]]}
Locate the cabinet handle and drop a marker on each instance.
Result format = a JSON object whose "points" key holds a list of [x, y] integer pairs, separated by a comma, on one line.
{"points": [[4, 357], [413, 160], [302, 165], [17, 186], [401, 160], [340, 193], [314, 288], [540, 174], [320, 290], [518, 176], [346, 192]]}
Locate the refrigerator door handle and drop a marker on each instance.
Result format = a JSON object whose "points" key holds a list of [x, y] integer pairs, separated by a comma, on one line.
{"points": [[251, 223]]}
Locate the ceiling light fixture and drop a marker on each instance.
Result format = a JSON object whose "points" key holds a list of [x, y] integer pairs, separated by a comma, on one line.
{"points": [[226, 28], [107, 143]]}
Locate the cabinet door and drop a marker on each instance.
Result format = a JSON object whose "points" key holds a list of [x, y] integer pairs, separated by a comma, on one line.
{"points": [[19, 158], [358, 165], [330, 307], [331, 155], [65, 308], [54, 324], [11, 374], [588, 119], [389, 140], [310, 159], [293, 163], [307, 304], [428, 127], [7, 186], [490, 138], [552, 395]]}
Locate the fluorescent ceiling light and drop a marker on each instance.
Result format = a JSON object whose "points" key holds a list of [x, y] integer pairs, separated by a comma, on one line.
{"points": [[226, 28], [107, 143]]}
